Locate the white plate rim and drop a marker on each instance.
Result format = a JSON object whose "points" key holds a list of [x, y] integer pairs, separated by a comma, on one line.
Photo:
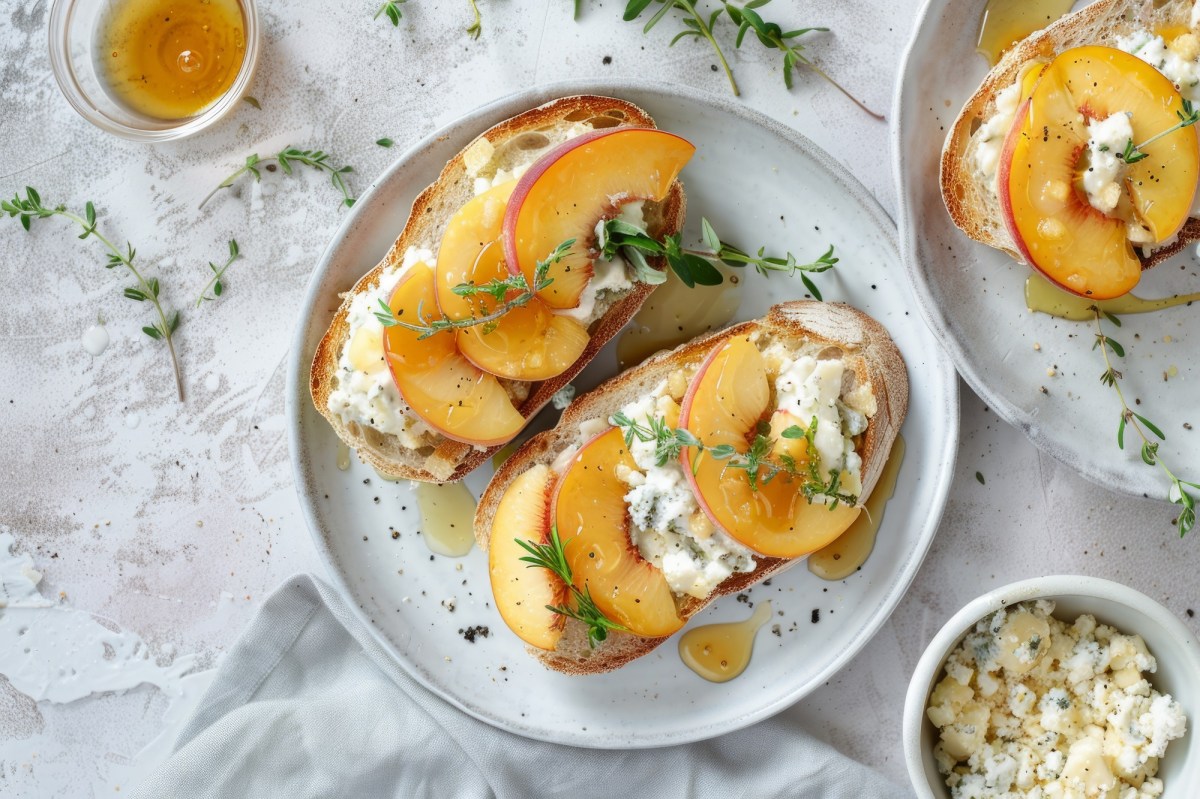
{"points": [[297, 393], [1127, 478]]}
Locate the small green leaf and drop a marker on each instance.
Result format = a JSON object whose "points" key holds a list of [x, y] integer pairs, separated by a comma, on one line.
{"points": [[1153, 427], [233, 249], [153, 332], [1121, 432], [253, 101], [812, 287], [384, 142], [135, 294], [709, 235], [218, 288], [979, 477]]}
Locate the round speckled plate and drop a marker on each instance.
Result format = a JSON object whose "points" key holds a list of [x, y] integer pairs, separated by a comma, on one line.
{"points": [[1037, 372], [399, 588]]}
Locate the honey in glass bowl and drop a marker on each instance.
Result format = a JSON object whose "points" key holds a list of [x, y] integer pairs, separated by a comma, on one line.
{"points": [[171, 59]]}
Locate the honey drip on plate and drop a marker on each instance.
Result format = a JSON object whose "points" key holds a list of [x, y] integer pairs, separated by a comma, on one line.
{"points": [[447, 518], [675, 313], [1042, 296], [1006, 22], [840, 559], [720, 652], [171, 59], [343, 456]]}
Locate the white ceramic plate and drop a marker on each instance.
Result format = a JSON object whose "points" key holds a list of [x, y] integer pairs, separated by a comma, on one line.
{"points": [[795, 197], [973, 296]]}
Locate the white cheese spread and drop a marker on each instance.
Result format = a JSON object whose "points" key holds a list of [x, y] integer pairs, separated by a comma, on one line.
{"points": [[1179, 60], [667, 525], [1107, 139], [1032, 707], [366, 393], [808, 388], [994, 131]]}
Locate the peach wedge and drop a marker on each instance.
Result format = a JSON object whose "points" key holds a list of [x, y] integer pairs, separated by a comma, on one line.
{"points": [[724, 405], [593, 523], [574, 186], [1078, 247], [522, 593], [444, 389]]}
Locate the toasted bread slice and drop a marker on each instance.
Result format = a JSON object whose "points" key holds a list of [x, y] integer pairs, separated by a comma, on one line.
{"points": [[831, 329], [502, 147], [972, 203]]}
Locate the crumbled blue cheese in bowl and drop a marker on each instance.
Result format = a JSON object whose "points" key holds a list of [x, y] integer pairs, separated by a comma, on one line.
{"points": [[1032, 707]]}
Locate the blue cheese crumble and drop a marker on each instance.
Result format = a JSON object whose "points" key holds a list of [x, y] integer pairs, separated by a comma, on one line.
{"points": [[1034, 708]]}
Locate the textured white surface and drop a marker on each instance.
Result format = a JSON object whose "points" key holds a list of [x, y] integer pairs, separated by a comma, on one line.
{"points": [[110, 512]]}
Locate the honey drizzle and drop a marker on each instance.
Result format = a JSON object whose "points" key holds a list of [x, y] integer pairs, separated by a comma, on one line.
{"points": [[1042, 296], [447, 518], [850, 550], [1006, 22], [675, 313], [343, 456], [720, 652]]}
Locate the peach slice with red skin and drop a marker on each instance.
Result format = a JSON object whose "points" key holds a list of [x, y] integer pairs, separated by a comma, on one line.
{"points": [[575, 185], [522, 593], [593, 524], [728, 398], [444, 389], [1043, 204]]}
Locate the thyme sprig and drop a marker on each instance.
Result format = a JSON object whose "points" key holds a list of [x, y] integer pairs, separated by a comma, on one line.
{"points": [[392, 10], [760, 468], [772, 36], [214, 283], [1187, 117], [476, 26], [286, 159], [695, 267], [1130, 418], [510, 292], [145, 289], [553, 556], [695, 24]]}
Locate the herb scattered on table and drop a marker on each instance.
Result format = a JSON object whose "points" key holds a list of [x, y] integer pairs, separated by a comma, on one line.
{"points": [[215, 282], [476, 26], [385, 143], [286, 159], [553, 556], [695, 24], [979, 478], [392, 10], [510, 292], [772, 36], [695, 267], [1178, 492], [145, 288], [760, 468], [249, 100]]}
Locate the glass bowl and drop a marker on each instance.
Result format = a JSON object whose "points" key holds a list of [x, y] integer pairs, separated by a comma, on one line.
{"points": [[74, 26]]}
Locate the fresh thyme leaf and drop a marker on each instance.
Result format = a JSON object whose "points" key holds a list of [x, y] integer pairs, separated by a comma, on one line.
{"points": [[252, 101], [146, 289], [552, 556], [316, 159], [385, 316], [1187, 117], [476, 26], [214, 283], [979, 478], [1178, 492], [392, 10], [384, 142]]}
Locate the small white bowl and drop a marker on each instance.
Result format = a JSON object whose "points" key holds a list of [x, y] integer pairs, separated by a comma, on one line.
{"points": [[1173, 645]]}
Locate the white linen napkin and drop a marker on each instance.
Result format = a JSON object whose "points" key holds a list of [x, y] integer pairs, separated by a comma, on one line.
{"points": [[308, 704]]}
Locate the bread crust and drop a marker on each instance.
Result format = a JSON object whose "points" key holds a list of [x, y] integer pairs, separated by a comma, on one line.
{"points": [[448, 460], [867, 350], [971, 202]]}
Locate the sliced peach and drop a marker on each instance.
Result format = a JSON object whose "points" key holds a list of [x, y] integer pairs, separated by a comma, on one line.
{"points": [[522, 593], [725, 404], [444, 389], [470, 232], [1043, 204], [593, 523], [574, 186]]}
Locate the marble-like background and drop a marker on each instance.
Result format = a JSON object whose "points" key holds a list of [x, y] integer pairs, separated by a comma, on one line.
{"points": [[175, 520]]}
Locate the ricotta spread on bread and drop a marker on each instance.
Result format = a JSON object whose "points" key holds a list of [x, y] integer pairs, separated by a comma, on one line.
{"points": [[666, 524], [1102, 179], [1032, 706]]}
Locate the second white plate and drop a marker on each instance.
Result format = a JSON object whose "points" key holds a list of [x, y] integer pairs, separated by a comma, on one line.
{"points": [[761, 183]]}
